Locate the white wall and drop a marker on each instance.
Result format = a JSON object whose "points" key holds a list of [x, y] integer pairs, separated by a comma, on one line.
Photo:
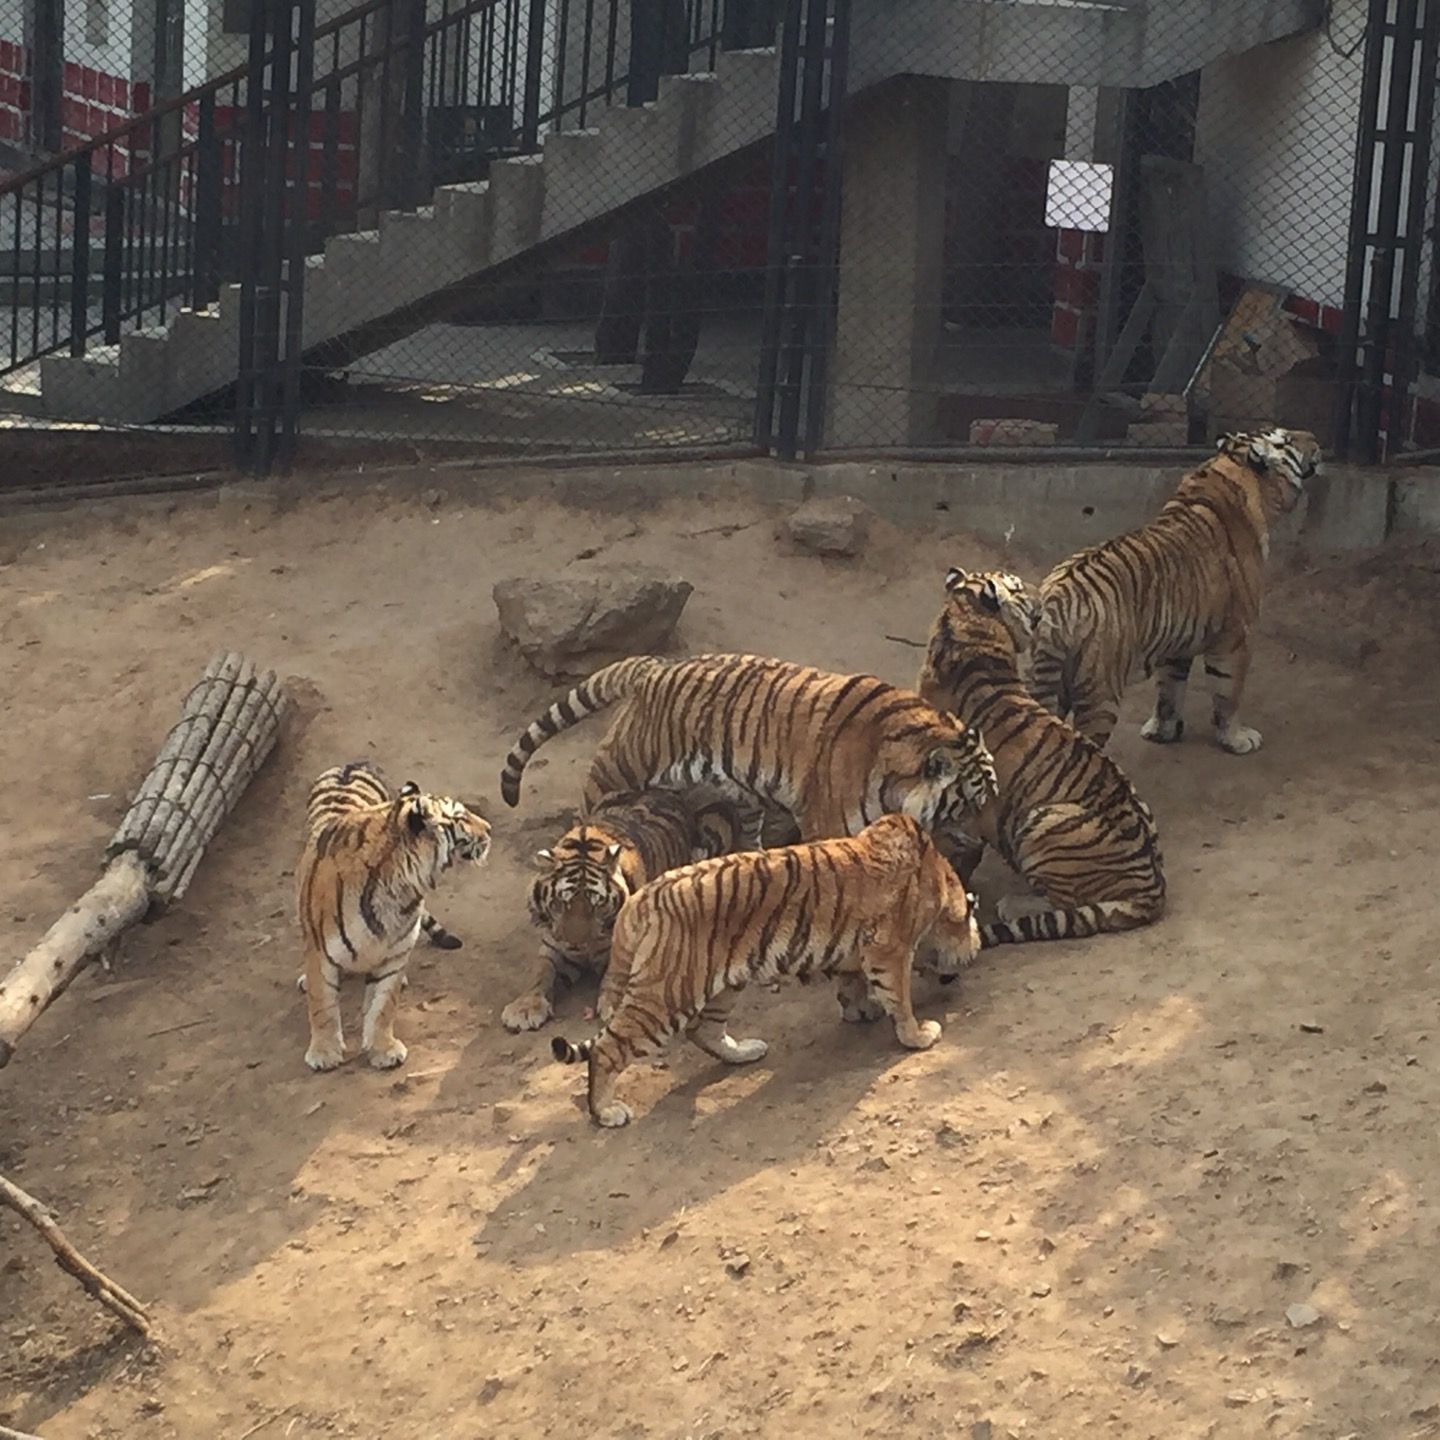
{"points": [[1276, 135]]}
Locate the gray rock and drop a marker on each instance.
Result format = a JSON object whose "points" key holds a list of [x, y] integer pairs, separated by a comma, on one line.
{"points": [[572, 626], [837, 526]]}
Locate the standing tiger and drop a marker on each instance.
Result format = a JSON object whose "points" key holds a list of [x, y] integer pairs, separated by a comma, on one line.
{"points": [[1066, 818], [370, 859], [835, 751], [1186, 584], [596, 866], [686, 944]]}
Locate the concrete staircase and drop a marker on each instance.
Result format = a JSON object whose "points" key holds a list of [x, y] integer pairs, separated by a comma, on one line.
{"points": [[578, 176]]}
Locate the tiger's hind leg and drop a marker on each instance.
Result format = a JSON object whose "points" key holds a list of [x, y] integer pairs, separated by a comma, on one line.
{"points": [[382, 1001], [711, 1033], [1226, 666], [887, 967], [1095, 712], [321, 984], [1167, 724]]}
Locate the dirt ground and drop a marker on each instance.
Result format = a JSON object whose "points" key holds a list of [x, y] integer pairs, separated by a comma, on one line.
{"points": [[1085, 1212]]}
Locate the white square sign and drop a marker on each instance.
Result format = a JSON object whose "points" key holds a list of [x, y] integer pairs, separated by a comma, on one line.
{"points": [[1078, 195]]}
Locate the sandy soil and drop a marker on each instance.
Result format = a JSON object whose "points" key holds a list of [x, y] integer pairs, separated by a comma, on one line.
{"points": [[1084, 1213]]}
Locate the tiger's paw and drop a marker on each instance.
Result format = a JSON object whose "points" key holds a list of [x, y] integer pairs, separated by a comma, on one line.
{"points": [[730, 1050], [922, 1037], [527, 1012], [325, 1057], [442, 939], [861, 1012], [392, 1055], [614, 1115], [1163, 732], [1239, 740]]}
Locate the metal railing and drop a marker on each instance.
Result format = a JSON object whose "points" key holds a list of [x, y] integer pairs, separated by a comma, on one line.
{"points": [[127, 228]]}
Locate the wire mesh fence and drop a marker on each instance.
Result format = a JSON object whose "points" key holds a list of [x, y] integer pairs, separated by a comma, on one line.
{"points": [[597, 226]]}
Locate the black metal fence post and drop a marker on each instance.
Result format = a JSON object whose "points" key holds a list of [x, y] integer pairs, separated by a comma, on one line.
{"points": [[534, 56], [80, 258], [413, 180], [209, 178]]}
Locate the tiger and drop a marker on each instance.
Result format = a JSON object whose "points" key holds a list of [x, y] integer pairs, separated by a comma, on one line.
{"points": [[854, 908], [589, 873], [833, 751], [369, 860], [1066, 818], [1186, 584]]}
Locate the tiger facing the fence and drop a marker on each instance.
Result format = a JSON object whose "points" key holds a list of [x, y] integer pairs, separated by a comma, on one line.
{"points": [[855, 908], [370, 858], [589, 873], [1187, 584], [834, 751], [1065, 818]]}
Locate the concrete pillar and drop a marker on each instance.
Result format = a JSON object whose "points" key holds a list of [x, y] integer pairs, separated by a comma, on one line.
{"points": [[891, 241]]}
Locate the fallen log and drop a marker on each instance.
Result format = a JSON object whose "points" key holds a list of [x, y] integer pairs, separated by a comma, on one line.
{"points": [[112, 1296], [227, 727]]}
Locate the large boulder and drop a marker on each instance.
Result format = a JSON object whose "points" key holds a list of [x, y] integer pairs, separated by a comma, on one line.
{"points": [[836, 525], [571, 626]]}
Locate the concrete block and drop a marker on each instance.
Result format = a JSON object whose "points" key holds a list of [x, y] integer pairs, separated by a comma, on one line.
{"points": [[517, 190], [1345, 508], [573, 161], [1417, 503]]}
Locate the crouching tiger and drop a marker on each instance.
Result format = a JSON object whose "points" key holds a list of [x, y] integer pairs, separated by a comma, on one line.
{"points": [[686, 944], [589, 873], [1066, 818], [834, 751], [1186, 584], [370, 859]]}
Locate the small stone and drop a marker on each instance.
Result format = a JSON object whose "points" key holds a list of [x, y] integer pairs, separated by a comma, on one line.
{"points": [[1041, 1290], [568, 627], [982, 1234], [838, 525], [1167, 1339], [1238, 1399], [1136, 1376], [490, 1389], [982, 1430], [1310, 1028], [737, 1265], [875, 1162], [1377, 1087], [1302, 1315], [1227, 1315]]}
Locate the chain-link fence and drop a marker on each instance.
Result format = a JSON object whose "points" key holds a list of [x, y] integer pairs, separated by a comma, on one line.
{"points": [[574, 226]]}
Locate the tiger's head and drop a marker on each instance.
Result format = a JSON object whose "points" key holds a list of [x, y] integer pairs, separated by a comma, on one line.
{"points": [[995, 595], [1287, 458], [441, 831], [928, 770], [576, 898]]}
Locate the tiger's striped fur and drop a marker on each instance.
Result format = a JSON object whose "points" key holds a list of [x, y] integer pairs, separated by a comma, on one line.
{"points": [[686, 944], [1066, 818], [589, 873], [835, 751], [370, 858], [1187, 584]]}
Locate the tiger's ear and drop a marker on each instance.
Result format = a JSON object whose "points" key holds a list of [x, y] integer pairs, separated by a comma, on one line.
{"points": [[954, 579], [612, 858], [544, 859], [407, 789], [939, 762], [990, 596]]}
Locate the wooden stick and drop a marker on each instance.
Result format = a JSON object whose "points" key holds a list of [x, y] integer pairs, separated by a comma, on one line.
{"points": [[68, 1258], [6, 1433], [114, 902]]}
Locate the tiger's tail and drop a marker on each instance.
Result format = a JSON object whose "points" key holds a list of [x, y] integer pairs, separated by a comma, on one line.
{"points": [[1106, 917], [568, 1054], [602, 689]]}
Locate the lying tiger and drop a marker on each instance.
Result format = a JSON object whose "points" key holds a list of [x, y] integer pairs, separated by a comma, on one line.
{"points": [[834, 751], [1066, 818], [597, 865], [688, 943], [1186, 584], [370, 859]]}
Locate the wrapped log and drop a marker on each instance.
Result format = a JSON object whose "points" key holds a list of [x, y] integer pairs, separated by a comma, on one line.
{"points": [[227, 727]]}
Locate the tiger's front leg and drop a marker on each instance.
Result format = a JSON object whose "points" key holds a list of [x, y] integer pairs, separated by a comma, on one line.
{"points": [[1167, 724], [382, 1001], [888, 968], [1225, 668], [532, 1009], [321, 984]]}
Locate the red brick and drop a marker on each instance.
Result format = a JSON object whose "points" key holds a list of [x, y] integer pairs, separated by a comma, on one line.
{"points": [[1064, 327], [105, 90], [141, 96], [1331, 319], [1303, 308], [89, 83], [122, 93], [72, 83], [10, 90], [10, 126], [10, 57], [72, 113], [1079, 288], [1070, 245]]}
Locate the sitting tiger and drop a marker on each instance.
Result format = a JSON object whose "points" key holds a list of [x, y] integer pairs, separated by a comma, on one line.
{"points": [[1186, 584], [1066, 818], [370, 859], [596, 866], [686, 944], [834, 751]]}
